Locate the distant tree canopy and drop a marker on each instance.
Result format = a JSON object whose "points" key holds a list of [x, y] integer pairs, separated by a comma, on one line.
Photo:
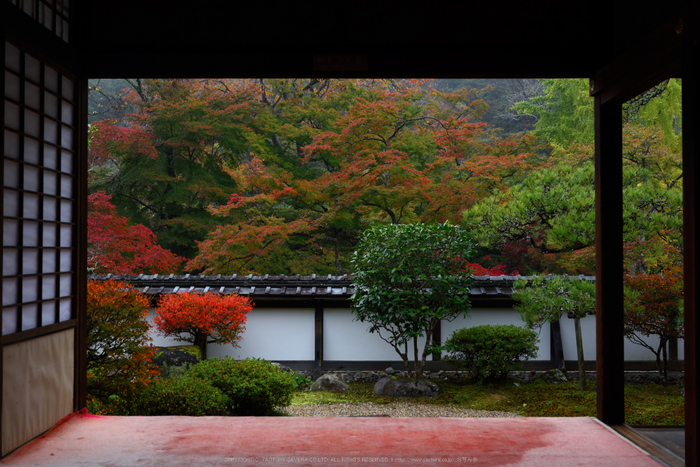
{"points": [[281, 176]]}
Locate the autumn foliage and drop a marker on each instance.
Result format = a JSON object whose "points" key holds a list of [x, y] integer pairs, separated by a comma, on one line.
{"points": [[118, 349], [115, 246], [203, 318], [654, 307]]}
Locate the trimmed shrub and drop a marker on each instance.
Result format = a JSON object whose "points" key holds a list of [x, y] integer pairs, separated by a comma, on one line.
{"points": [[490, 352], [181, 395], [253, 386]]}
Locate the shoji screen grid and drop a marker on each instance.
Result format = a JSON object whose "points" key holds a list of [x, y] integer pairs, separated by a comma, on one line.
{"points": [[52, 14], [38, 194]]}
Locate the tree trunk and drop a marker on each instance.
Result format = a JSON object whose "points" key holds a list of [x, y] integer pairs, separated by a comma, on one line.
{"points": [[200, 340], [579, 349]]}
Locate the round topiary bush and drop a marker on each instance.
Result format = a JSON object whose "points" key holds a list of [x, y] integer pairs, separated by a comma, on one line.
{"points": [[253, 386], [180, 395], [490, 352]]}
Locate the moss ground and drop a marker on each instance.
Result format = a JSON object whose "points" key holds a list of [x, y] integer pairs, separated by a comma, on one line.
{"points": [[647, 404]]}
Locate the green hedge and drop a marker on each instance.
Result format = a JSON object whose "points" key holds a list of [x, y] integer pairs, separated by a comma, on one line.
{"points": [[490, 352], [180, 395], [253, 386]]}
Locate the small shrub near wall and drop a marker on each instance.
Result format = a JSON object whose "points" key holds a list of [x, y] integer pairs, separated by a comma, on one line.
{"points": [[490, 352], [181, 395], [253, 386]]}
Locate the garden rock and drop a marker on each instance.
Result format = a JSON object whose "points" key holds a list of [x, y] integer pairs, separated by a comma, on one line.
{"points": [[173, 357], [330, 382], [283, 368], [390, 371], [555, 376], [389, 387]]}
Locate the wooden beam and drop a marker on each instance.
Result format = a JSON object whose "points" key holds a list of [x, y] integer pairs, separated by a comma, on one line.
{"points": [[318, 343], [691, 234], [609, 269], [557, 351]]}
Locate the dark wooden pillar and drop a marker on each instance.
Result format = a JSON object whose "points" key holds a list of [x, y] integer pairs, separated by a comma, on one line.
{"points": [[609, 269], [691, 232], [318, 341]]}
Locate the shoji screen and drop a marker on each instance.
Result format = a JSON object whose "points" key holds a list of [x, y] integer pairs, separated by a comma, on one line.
{"points": [[39, 270], [38, 193]]}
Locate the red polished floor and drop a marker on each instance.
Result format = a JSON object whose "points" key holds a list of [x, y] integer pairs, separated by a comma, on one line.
{"points": [[171, 441]]}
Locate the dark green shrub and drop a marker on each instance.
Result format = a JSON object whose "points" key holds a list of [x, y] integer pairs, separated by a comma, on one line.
{"points": [[253, 386], [180, 395], [490, 352]]}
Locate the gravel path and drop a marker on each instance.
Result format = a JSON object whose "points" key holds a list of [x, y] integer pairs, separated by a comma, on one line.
{"points": [[394, 409]]}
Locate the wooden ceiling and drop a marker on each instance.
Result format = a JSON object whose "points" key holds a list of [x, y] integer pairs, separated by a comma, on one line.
{"points": [[378, 38]]}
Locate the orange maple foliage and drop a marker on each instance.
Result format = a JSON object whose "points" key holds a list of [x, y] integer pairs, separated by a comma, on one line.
{"points": [[197, 318], [119, 353], [117, 247]]}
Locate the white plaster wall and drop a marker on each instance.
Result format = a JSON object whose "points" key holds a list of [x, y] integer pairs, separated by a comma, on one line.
{"points": [[345, 339], [272, 334], [289, 334], [493, 316]]}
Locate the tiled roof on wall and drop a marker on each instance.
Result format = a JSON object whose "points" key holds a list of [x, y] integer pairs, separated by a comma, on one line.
{"points": [[297, 286]]}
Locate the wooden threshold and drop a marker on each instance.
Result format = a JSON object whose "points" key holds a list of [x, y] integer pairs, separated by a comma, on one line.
{"points": [[655, 441]]}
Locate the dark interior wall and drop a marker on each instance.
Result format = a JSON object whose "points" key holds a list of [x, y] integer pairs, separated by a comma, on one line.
{"points": [[363, 38]]}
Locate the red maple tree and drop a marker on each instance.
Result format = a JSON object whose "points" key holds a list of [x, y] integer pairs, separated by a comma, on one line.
{"points": [[201, 319], [115, 246]]}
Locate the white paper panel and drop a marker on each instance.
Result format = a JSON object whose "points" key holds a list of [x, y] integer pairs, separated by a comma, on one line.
{"points": [[50, 157], [31, 123], [11, 116], [30, 261], [11, 144], [66, 162], [31, 206], [10, 262], [12, 86], [48, 261], [11, 203], [30, 288], [9, 320], [12, 56], [30, 234], [9, 291], [32, 96], [66, 285], [30, 318], [67, 90], [66, 211], [36, 397], [32, 68], [11, 175], [50, 179], [66, 186], [50, 104], [67, 113], [48, 287], [48, 313], [31, 178], [31, 151], [65, 33], [66, 235], [50, 128], [65, 307], [50, 79], [46, 16], [67, 137], [50, 207], [10, 232], [66, 260]]}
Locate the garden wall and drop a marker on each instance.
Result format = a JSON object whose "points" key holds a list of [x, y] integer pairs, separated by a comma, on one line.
{"points": [[289, 336]]}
